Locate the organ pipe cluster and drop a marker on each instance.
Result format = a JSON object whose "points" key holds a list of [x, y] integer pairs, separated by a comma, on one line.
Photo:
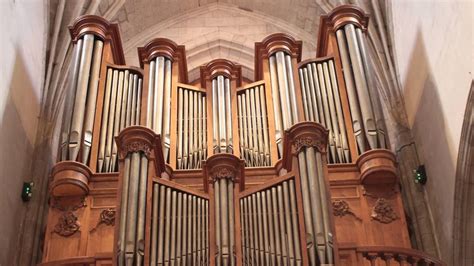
{"points": [[81, 98], [192, 128], [253, 127], [270, 228], [322, 104], [315, 206], [284, 95], [133, 209], [121, 109], [180, 227], [159, 100], [224, 210], [222, 115], [366, 114]]}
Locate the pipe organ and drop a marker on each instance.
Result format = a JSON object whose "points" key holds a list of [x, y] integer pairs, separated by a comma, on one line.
{"points": [[287, 169]]}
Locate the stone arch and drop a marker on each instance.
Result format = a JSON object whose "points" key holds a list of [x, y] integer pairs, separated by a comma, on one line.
{"points": [[464, 191]]}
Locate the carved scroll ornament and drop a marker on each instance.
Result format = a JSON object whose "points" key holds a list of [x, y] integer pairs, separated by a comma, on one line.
{"points": [[107, 217], [383, 212], [67, 224], [307, 141]]}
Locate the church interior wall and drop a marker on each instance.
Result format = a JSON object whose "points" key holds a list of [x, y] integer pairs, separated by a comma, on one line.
{"points": [[22, 56], [433, 46]]}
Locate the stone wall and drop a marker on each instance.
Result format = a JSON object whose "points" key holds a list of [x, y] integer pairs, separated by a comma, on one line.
{"points": [[22, 57], [433, 51]]}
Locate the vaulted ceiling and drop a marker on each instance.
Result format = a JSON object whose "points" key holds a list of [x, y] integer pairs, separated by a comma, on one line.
{"points": [[215, 29]]}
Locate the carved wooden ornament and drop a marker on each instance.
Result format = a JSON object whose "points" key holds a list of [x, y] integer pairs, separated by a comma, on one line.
{"points": [[67, 224], [383, 212], [342, 208], [107, 217]]}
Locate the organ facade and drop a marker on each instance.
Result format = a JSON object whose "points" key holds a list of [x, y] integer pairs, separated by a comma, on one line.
{"points": [[289, 169]]}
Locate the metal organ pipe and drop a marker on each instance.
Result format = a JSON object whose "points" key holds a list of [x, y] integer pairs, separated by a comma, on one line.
{"points": [[323, 102], [81, 99], [192, 137], [121, 101], [283, 93], [222, 118], [159, 100], [368, 123]]}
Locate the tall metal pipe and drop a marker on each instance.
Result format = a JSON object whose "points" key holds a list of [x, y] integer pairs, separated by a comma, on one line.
{"points": [[276, 105], [151, 97], [92, 100], [116, 128], [291, 89], [104, 123], [228, 110], [265, 126], [333, 114], [284, 92], [75, 135], [110, 125]]}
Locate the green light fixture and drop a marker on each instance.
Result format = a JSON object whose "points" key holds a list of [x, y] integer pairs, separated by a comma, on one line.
{"points": [[420, 175]]}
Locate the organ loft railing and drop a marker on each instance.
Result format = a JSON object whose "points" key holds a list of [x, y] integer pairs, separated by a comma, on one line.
{"points": [[288, 169]]}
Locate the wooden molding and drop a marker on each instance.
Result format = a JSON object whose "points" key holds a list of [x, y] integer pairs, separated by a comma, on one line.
{"points": [[301, 135], [224, 165], [138, 138], [377, 167], [70, 178], [167, 48], [274, 43], [224, 67], [338, 17], [100, 27]]}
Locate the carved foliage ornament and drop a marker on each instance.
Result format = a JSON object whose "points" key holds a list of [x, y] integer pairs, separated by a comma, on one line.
{"points": [[383, 212], [107, 217], [223, 172], [308, 141], [341, 208], [67, 224], [136, 146]]}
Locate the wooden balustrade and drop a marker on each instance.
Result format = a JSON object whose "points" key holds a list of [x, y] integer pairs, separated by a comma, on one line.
{"points": [[391, 256]]}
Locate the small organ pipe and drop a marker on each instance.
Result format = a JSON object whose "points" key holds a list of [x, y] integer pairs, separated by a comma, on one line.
{"points": [[340, 114], [167, 109], [248, 104], [259, 121], [218, 223], [92, 100], [180, 127], [241, 130], [154, 225], [132, 210], [271, 227], [221, 114], [139, 98], [289, 228], [313, 76], [294, 219], [333, 114], [291, 88], [282, 227], [179, 222], [173, 222], [265, 126], [324, 205], [110, 125], [307, 104], [124, 206], [276, 221], [123, 111], [130, 96], [230, 193], [191, 129], [104, 123], [327, 115], [185, 231], [167, 241], [141, 209], [215, 120], [204, 135], [200, 132], [253, 117], [150, 97], [161, 234], [118, 107], [135, 99], [224, 221], [228, 110], [186, 130], [75, 134], [190, 230]]}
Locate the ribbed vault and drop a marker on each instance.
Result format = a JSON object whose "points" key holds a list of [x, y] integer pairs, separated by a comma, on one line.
{"points": [[218, 30]]}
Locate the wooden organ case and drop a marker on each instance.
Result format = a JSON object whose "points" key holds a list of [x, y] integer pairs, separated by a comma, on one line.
{"points": [[291, 169]]}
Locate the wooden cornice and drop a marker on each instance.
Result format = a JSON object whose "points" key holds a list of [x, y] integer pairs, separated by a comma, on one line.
{"points": [[274, 43], [131, 69], [167, 48], [301, 135], [224, 165], [138, 138], [224, 67], [338, 17], [100, 27]]}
